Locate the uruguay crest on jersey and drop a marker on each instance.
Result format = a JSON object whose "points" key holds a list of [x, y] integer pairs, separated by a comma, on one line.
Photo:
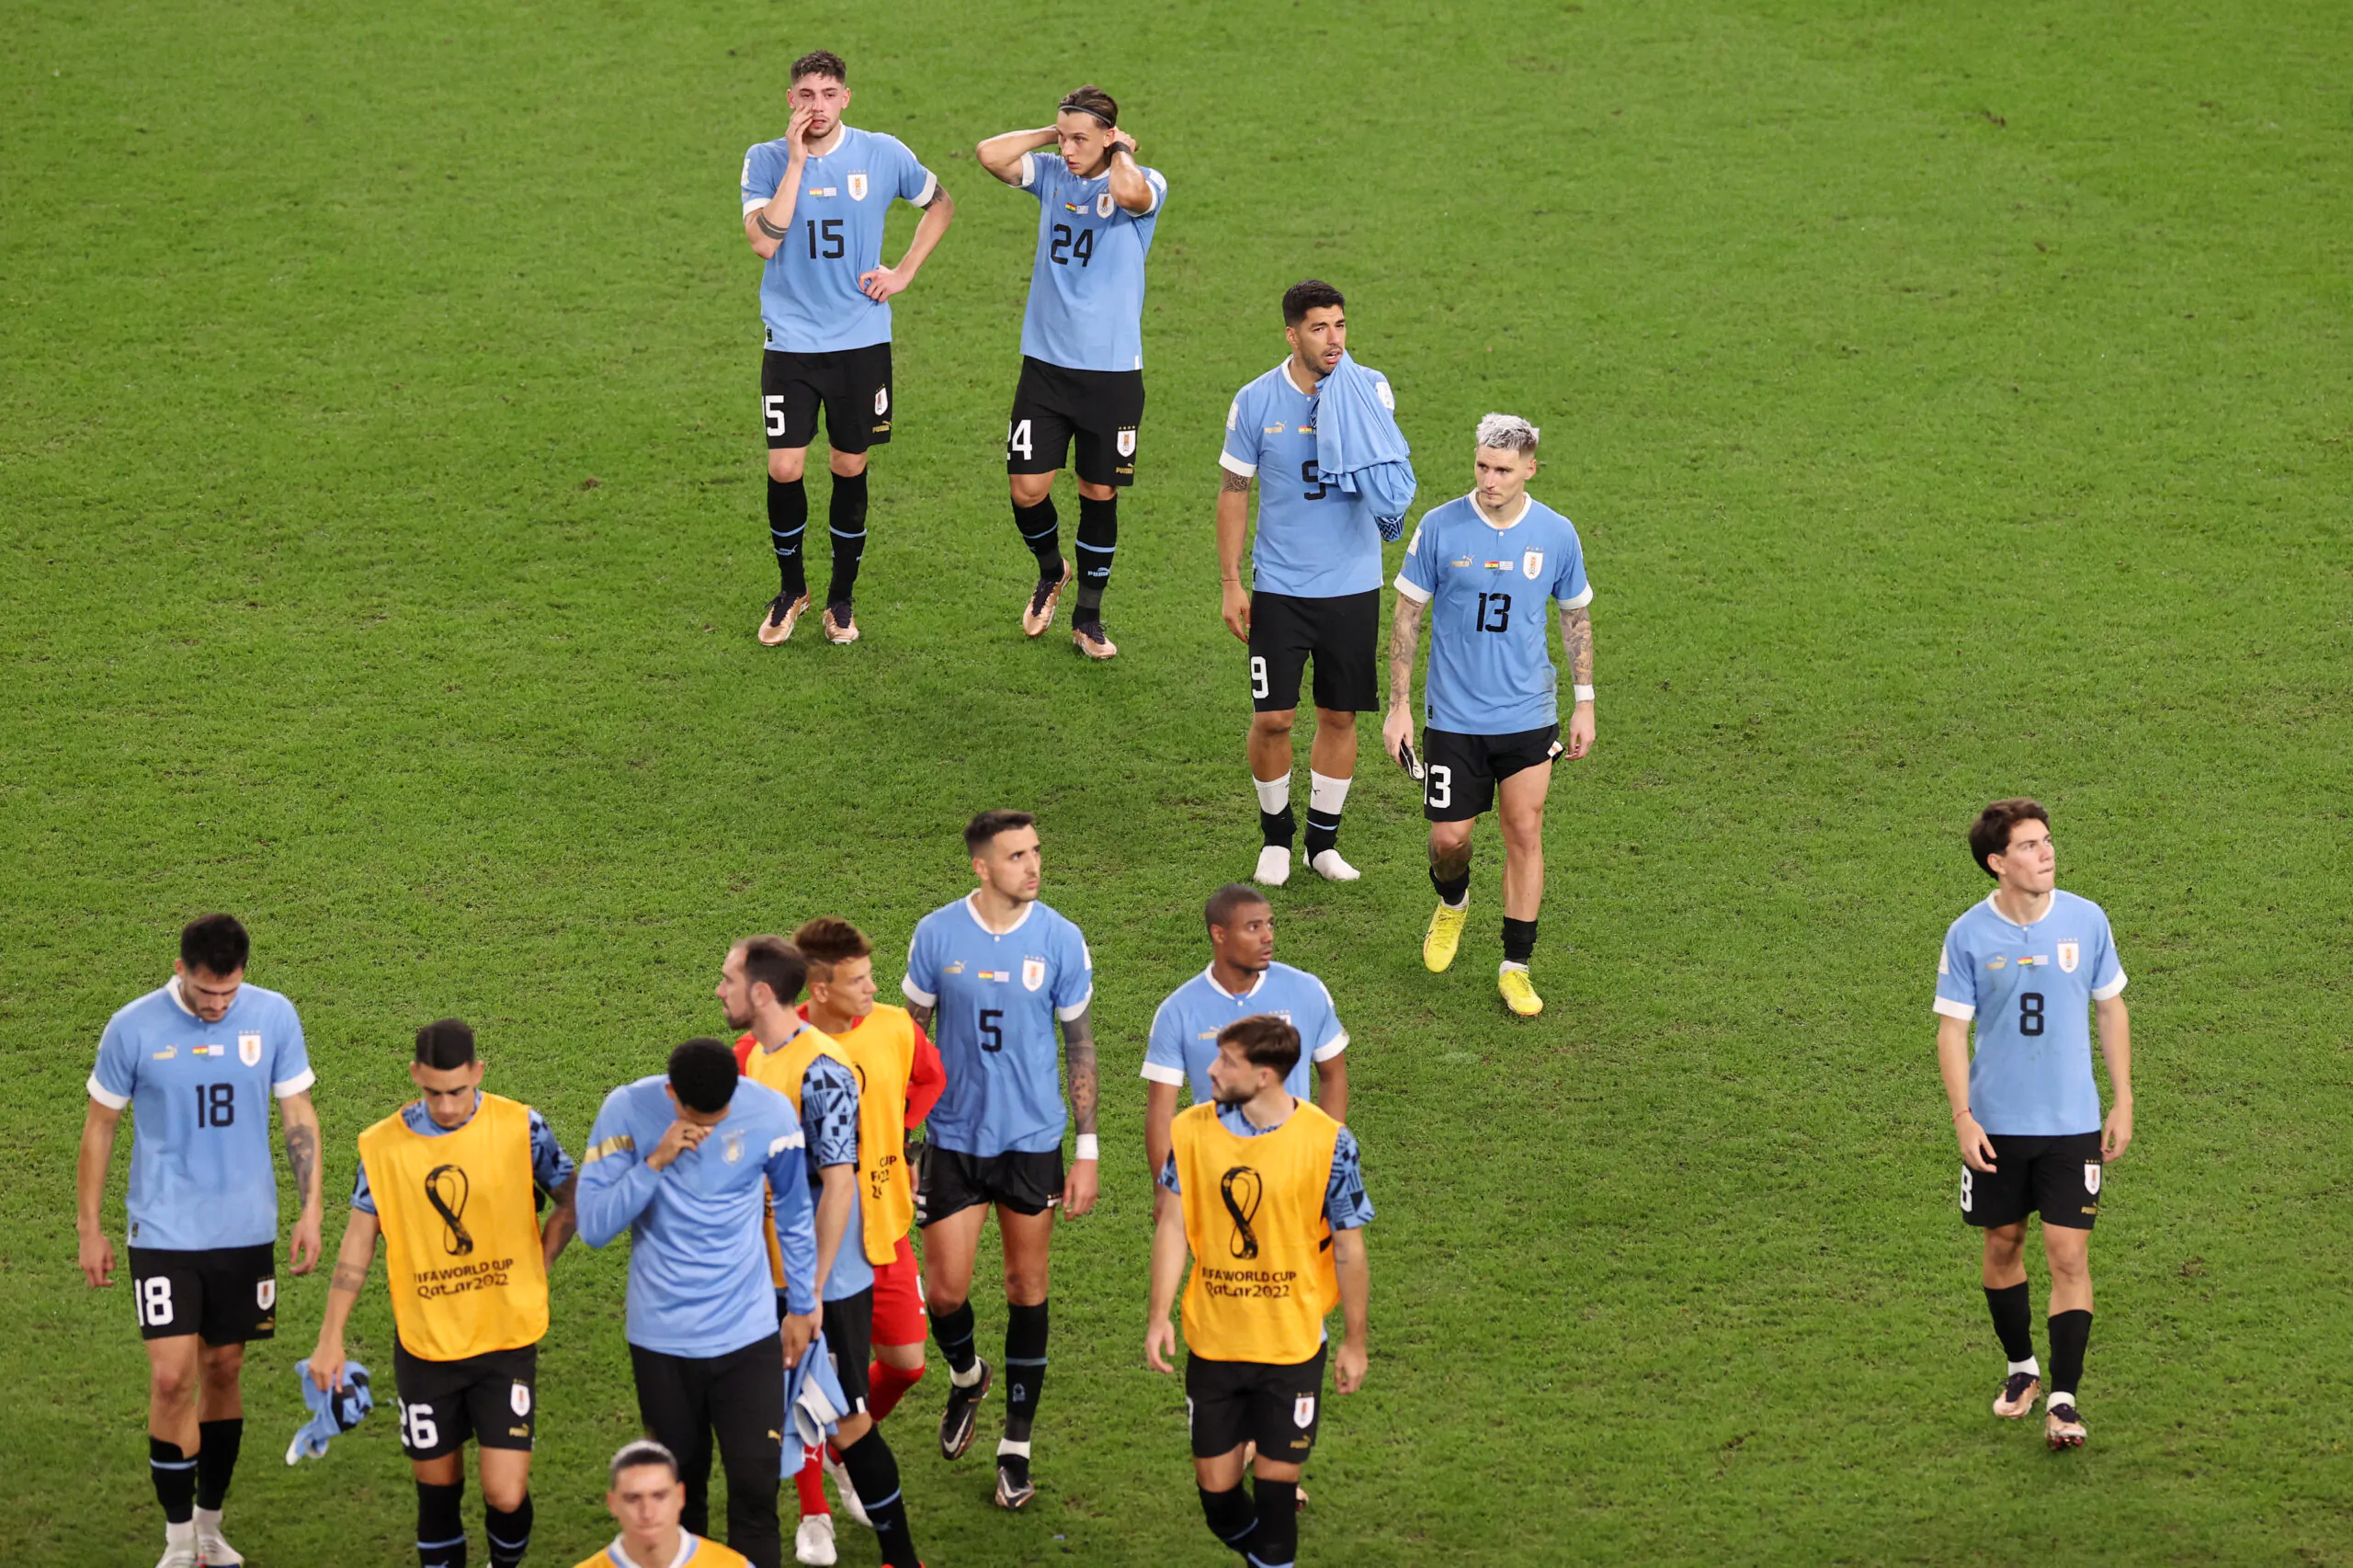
{"points": [[2070, 955], [1127, 441], [249, 1048], [1033, 973], [858, 186], [1532, 564], [1103, 204]]}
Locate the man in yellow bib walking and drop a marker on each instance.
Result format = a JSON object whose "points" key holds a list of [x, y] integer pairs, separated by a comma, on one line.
{"points": [[1271, 1207], [453, 1181]]}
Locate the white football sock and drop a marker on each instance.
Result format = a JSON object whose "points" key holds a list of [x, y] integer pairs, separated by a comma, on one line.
{"points": [[1328, 865], [1274, 794], [2058, 1396], [1326, 796], [965, 1379], [182, 1534], [1007, 1446], [2030, 1366], [1507, 966]]}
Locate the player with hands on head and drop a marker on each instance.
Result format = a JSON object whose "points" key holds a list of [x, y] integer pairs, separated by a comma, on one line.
{"points": [[1315, 583], [685, 1163], [1082, 345], [454, 1181], [197, 1063], [815, 203], [2028, 967], [1484, 566], [1269, 1201], [990, 975]]}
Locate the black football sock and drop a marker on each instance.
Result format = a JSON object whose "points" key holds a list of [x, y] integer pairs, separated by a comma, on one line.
{"points": [[1274, 1543], [1231, 1514], [216, 1461], [2012, 1321], [509, 1533], [174, 1473], [440, 1534], [953, 1332], [788, 522], [1451, 890], [1098, 539], [1042, 530], [846, 522], [2071, 1334], [1519, 939], [1025, 1368], [874, 1476]]}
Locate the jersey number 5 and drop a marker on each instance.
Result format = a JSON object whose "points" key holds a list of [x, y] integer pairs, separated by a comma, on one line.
{"points": [[992, 1029]]}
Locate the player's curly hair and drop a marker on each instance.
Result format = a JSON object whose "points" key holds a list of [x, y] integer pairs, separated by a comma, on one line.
{"points": [[1508, 433], [1990, 834], [1265, 1040], [1090, 99], [820, 63], [829, 939]]}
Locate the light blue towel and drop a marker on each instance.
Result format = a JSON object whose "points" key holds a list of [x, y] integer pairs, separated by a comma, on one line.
{"points": [[814, 1400], [332, 1415], [1359, 446]]}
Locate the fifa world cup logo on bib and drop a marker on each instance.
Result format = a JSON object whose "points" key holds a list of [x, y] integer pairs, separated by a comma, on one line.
{"points": [[1243, 1190], [447, 1189]]}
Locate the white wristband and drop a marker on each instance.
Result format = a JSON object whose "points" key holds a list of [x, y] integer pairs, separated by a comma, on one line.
{"points": [[1584, 693], [1090, 1147]]}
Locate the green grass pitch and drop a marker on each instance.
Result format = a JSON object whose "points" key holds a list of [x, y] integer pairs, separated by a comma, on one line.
{"points": [[1954, 401]]}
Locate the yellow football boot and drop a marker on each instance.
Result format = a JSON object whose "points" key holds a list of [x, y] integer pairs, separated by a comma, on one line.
{"points": [[1519, 992], [1445, 935]]}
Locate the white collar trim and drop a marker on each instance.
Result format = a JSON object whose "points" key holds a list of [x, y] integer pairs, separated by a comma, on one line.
{"points": [[1209, 974], [1526, 500], [172, 989], [973, 909]]}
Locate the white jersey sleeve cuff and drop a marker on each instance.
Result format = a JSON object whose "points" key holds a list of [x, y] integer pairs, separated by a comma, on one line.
{"points": [[1964, 1011], [1075, 1008], [1333, 1047], [2112, 991], [1028, 170], [1419, 595], [1582, 601], [930, 189], [104, 1096], [1232, 464], [917, 993], [1160, 1074], [287, 1088], [753, 204]]}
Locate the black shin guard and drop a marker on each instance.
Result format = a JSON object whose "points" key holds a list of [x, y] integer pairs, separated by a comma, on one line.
{"points": [[1519, 939], [1042, 530], [1277, 827], [874, 1475], [1274, 1543], [845, 516], [788, 523], [509, 1531], [174, 1473], [1025, 1368], [1231, 1514], [952, 1331], [2070, 1334], [2013, 1320], [441, 1533], [216, 1461], [1453, 889], [1098, 540]]}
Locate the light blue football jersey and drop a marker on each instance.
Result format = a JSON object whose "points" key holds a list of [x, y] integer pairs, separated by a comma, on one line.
{"points": [[699, 1282], [1184, 1031], [997, 995], [2029, 990], [200, 1096], [1313, 540], [1086, 286], [1491, 670], [808, 294]]}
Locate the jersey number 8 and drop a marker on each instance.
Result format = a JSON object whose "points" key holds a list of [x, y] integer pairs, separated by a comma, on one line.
{"points": [[2029, 1012]]}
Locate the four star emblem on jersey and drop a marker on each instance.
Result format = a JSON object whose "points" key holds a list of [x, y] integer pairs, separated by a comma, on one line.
{"points": [[249, 1048], [2070, 955], [858, 191], [1033, 973]]}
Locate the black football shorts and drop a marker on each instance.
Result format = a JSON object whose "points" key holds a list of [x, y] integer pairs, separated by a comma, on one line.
{"points": [[1341, 634], [224, 1295], [493, 1399], [852, 385], [953, 1181], [2056, 1177], [1228, 1403], [1052, 406], [1461, 771]]}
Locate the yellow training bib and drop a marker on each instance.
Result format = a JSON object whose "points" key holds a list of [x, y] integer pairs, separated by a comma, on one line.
{"points": [[1263, 1278]]}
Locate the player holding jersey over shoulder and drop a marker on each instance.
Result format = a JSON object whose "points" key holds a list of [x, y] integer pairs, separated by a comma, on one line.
{"points": [[197, 1063], [1485, 567], [815, 201], [2028, 968], [454, 1181], [1082, 343], [991, 974]]}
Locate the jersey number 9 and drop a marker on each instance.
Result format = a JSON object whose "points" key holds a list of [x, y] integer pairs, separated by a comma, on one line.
{"points": [[992, 1029]]}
